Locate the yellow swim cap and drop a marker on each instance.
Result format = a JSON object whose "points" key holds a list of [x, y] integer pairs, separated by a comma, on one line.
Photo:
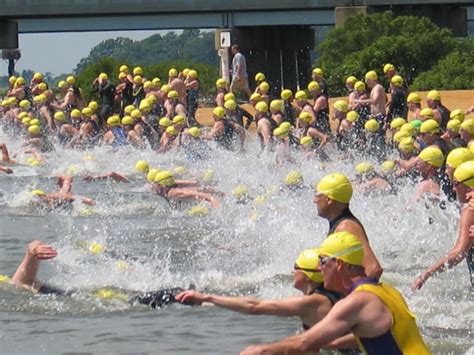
{"points": [[457, 114], [24, 104], [351, 80], [40, 98], [136, 113], [371, 75], [427, 113], [264, 87], [103, 76], [293, 178], [432, 155], [465, 173], [152, 174], [286, 125], [5, 278], [173, 72], [142, 166], [301, 95], [128, 109], [430, 127], [364, 168], [35, 122], [229, 96], [20, 81], [145, 104], [314, 85], [359, 86], [219, 112], [352, 116], [343, 246], [165, 88], [87, 111], [309, 260], [171, 131], [123, 69], [341, 105], [198, 211], [208, 175], [260, 77], [148, 84], [12, 79], [122, 75], [336, 186], [454, 125], [286, 94], [276, 105], [414, 98], [280, 132], [179, 170], [75, 113], [93, 105], [230, 105], [34, 129], [261, 107], [221, 83], [173, 94], [434, 95], [318, 71], [165, 122], [178, 119], [458, 156], [113, 121], [468, 126], [137, 71], [193, 74], [372, 125], [156, 82], [71, 80], [137, 79], [397, 123], [255, 97], [38, 192], [388, 67], [195, 132], [407, 145], [240, 192], [306, 141], [108, 294], [165, 178], [397, 80], [388, 166], [407, 127], [305, 117]]}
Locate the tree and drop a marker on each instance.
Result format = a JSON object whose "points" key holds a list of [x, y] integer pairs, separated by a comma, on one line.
{"points": [[366, 42], [454, 72]]}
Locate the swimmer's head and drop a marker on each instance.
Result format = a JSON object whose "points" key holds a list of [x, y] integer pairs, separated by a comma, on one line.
{"points": [[308, 264], [336, 187], [38, 192], [142, 166], [165, 178], [343, 246], [294, 178]]}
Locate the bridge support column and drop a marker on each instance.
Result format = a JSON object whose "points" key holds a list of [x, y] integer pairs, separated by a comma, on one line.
{"points": [[8, 34], [282, 53]]}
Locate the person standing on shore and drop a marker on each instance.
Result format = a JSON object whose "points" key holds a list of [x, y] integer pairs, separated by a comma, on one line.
{"points": [[240, 81]]}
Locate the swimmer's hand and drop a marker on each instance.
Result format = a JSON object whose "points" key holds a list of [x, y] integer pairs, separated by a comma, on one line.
{"points": [[191, 297], [41, 251], [88, 201], [6, 170], [420, 281], [254, 350]]}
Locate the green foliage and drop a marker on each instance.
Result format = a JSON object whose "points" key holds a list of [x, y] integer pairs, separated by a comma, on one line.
{"points": [[454, 72], [366, 42], [191, 45]]}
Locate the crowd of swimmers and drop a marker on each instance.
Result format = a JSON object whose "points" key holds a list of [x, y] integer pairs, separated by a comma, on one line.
{"points": [[344, 304]]}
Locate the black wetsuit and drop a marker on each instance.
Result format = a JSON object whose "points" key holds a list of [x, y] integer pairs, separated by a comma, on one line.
{"points": [[345, 215], [226, 140], [155, 299], [289, 113], [442, 178], [444, 112], [107, 99], [322, 121], [398, 106]]}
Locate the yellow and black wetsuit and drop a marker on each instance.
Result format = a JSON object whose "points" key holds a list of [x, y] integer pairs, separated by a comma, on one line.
{"points": [[403, 337]]}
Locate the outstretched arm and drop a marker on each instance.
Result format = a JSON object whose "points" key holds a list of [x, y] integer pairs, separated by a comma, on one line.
{"points": [[25, 275]]}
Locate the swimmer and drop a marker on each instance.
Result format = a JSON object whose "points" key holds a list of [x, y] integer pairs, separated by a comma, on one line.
{"points": [[174, 191], [6, 160], [375, 313], [377, 100], [464, 246], [63, 198], [369, 182], [311, 307], [113, 176], [332, 196], [26, 277]]}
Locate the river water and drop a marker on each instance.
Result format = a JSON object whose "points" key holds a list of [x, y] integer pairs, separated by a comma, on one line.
{"points": [[238, 250]]}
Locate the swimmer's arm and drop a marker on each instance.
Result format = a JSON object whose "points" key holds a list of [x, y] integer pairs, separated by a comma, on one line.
{"points": [[5, 155], [263, 127], [371, 264], [347, 341], [339, 320], [184, 183], [455, 255], [6, 170], [87, 200], [192, 194]]}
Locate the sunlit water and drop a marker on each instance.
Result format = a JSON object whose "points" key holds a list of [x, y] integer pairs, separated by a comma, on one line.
{"points": [[239, 249]]}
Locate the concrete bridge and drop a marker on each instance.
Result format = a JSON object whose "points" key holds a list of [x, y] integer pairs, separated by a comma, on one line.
{"points": [[273, 34]]}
